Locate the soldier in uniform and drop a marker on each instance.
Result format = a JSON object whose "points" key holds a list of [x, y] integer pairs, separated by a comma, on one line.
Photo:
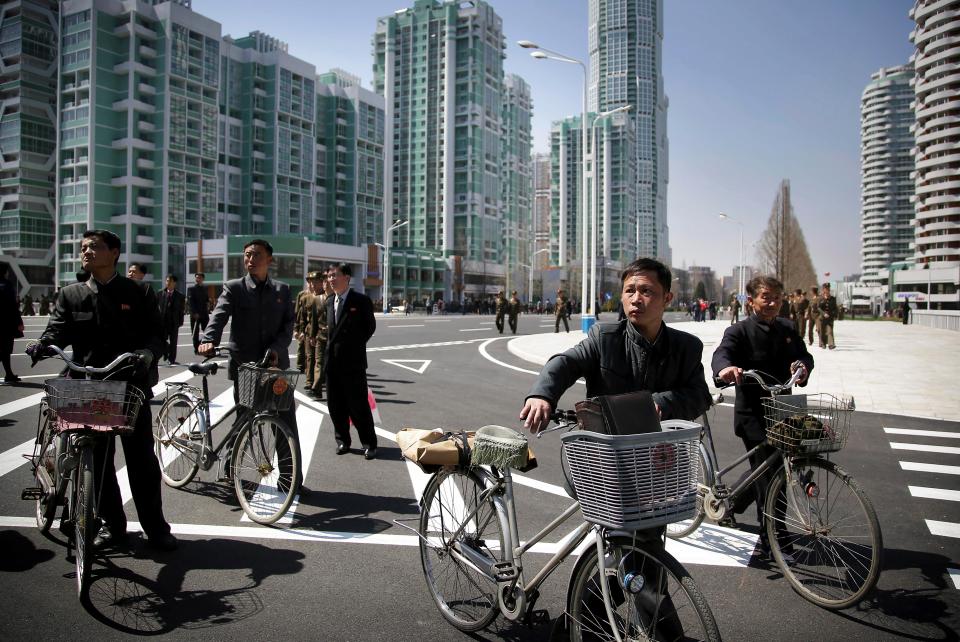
{"points": [[513, 310], [302, 323], [501, 311], [800, 307], [560, 312], [298, 312], [828, 313], [317, 329], [27, 306], [44, 305], [734, 310], [813, 314]]}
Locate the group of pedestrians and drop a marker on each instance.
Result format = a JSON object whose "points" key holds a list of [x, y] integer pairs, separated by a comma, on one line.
{"points": [[816, 312], [509, 309]]}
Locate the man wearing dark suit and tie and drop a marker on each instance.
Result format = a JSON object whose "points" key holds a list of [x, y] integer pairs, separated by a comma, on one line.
{"points": [[171, 303], [199, 308], [350, 325]]}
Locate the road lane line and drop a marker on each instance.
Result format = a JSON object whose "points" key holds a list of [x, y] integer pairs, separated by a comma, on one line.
{"points": [[476, 329], [408, 325], [935, 493], [486, 355], [16, 406], [553, 489], [930, 468], [955, 576], [12, 459], [423, 345], [950, 450], [944, 529], [922, 433]]}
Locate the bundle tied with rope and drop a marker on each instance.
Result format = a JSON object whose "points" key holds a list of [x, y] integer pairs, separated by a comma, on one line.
{"points": [[499, 446]]}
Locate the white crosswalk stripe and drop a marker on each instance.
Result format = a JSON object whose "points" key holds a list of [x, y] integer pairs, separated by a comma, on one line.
{"points": [[930, 468], [935, 493], [922, 433], [949, 450]]}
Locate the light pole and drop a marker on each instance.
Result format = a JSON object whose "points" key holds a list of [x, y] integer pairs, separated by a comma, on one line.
{"points": [[388, 237], [532, 262], [544, 53], [727, 217], [594, 216]]}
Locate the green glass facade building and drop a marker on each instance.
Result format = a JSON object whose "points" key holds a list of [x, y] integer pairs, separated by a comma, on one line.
{"points": [[28, 138]]}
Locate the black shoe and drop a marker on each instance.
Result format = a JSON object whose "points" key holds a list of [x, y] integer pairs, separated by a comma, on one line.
{"points": [[165, 542], [11, 379], [343, 449], [108, 539], [728, 521], [370, 453]]}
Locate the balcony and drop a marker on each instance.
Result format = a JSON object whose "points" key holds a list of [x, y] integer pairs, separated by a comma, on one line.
{"points": [[145, 163], [147, 88], [132, 219], [128, 66], [131, 181], [134, 104], [147, 52], [136, 143], [145, 201]]}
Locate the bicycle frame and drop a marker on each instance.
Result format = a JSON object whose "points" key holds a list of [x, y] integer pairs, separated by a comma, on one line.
{"points": [[714, 474], [201, 408]]}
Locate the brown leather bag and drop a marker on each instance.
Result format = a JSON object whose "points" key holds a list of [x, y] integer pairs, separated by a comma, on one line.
{"points": [[629, 413]]}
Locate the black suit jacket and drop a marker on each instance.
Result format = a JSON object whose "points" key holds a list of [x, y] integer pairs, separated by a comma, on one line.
{"points": [[10, 319], [771, 348], [347, 338], [171, 308], [103, 321], [197, 298]]}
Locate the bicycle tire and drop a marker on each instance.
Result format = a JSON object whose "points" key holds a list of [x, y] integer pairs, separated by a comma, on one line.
{"points": [[85, 527], [465, 598], [650, 613], [266, 468], [679, 530], [821, 543], [46, 505], [179, 461]]}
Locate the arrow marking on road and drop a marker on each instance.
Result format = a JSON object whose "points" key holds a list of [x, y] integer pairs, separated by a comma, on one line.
{"points": [[401, 363]]}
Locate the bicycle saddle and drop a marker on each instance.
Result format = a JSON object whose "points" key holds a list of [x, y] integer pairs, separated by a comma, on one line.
{"points": [[204, 368]]}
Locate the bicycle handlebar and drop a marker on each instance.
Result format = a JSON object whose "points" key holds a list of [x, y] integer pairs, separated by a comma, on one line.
{"points": [[44, 351], [564, 419], [758, 377]]}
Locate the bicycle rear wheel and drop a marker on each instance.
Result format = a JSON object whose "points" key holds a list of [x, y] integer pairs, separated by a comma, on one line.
{"points": [[44, 474], [652, 597], [823, 533], [464, 592], [85, 526], [266, 468], [177, 453]]}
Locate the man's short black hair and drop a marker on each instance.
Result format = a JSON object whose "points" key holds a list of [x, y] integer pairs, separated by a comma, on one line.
{"points": [[264, 244], [826, 285], [173, 276], [644, 264], [799, 292], [139, 267], [762, 281], [111, 240], [201, 275], [344, 268]]}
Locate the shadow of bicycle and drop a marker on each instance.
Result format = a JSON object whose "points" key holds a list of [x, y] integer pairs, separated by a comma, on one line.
{"points": [[131, 603]]}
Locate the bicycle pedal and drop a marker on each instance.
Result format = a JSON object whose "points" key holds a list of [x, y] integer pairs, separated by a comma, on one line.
{"points": [[32, 494], [504, 571]]}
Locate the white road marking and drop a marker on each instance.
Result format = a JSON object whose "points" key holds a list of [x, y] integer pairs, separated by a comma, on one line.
{"points": [[401, 363], [553, 489], [476, 329], [945, 529], [407, 325], [423, 345], [12, 459], [935, 493], [16, 406], [950, 450], [955, 576], [486, 355], [930, 468], [922, 433]]}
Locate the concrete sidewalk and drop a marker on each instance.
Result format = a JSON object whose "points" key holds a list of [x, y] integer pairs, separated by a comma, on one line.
{"points": [[887, 367]]}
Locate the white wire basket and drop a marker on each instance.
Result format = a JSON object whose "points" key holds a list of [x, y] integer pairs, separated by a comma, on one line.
{"points": [[85, 404], [266, 389], [803, 424]]}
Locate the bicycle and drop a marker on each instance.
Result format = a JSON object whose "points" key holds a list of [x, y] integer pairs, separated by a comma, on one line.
{"points": [[621, 588], [74, 413], [822, 529], [264, 452]]}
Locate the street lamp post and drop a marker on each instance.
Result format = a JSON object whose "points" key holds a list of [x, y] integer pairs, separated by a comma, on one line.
{"points": [[532, 262], [544, 53], [727, 217], [594, 216], [388, 237]]}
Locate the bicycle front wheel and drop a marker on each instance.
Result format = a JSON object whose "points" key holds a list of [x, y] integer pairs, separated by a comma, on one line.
{"points": [[652, 597], [457, 561], [85, 527], [44, 474], [266, 468], [679, 530], [823, 533], [175, 440]]}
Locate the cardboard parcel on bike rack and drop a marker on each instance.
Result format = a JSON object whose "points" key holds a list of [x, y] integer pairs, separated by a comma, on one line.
{"points": [[431, 450]]}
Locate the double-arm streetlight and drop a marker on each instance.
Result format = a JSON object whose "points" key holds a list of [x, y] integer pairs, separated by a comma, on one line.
{"points": [[542, 53], [727, 217], [595, 215], [387, 242]]}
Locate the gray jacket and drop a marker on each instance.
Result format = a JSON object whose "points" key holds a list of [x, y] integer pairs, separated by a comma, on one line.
{"points": [[610, 361], [261, 318]]}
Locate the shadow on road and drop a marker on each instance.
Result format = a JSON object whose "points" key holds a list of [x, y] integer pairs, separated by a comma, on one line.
{"points": [[19, 553], [351, 512], [128, 602]]}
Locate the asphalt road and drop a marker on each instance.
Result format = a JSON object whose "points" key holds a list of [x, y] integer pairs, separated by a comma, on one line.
{"points": [[340, 569]]}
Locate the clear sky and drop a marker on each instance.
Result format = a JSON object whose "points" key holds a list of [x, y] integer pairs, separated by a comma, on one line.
{"points": [[759, 90]]}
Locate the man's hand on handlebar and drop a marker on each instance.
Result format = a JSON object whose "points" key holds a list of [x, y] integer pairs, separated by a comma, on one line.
{"points": [[536, 414], [207, 349], [804, 373], [731, 374], [37, 352]]}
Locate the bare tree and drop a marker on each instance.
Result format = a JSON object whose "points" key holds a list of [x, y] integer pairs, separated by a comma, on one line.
{"points": [[782, 250]]}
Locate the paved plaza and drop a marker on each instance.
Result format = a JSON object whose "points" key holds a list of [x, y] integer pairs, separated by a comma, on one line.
{"points": [[887, 367]]}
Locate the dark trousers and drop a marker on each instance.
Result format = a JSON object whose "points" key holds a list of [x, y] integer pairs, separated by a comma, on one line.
{"points": [[758, 492], [6, 348], [143, 471], [566, 325], [513, 324], [197, 326], [500, 323], [347, 401], [170, 336]]}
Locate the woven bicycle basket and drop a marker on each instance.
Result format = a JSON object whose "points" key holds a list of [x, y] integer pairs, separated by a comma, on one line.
{"points": [[499, 446], [633, 482], [266, 389], [85, 404], [803, 424]]}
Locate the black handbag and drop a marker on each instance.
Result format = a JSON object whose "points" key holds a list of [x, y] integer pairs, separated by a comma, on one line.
{"points": [[629, 413]]}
